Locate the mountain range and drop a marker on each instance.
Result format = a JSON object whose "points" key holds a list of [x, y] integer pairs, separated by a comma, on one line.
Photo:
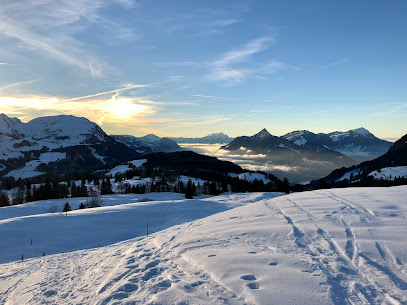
{"points": [[67, 144], [214, 138], [358, 144], [148, 144], [303, 155]]}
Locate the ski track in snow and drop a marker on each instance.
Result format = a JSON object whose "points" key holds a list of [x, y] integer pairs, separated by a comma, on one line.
{"points": [[343, 246]]}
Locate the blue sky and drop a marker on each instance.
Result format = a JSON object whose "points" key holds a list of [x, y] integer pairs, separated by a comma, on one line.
{"points": [[190, 68]]}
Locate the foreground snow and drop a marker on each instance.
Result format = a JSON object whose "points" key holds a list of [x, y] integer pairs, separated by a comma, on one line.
{"points": [[123, 217], [343, 246]]}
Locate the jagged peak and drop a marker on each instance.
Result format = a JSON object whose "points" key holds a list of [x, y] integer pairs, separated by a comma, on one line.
{"points": [[216, 134], [263, 134]]}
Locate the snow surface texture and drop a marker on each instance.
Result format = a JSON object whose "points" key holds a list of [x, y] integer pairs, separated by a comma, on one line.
{"points": [[338, 246], [390, 173]]}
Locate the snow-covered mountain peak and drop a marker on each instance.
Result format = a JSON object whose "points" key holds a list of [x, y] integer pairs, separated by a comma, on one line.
{"points": [[337, 135], [361, 131], [152, 138], [294, 135], [216, 134], [72, 130], [263, 134]]}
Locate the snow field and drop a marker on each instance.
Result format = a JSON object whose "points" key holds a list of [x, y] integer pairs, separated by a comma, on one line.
{"points": [[342, 246], [122, 217], [390, 173]]}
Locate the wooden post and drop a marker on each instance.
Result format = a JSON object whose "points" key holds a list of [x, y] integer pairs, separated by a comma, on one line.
{"points": [[22, 257]]}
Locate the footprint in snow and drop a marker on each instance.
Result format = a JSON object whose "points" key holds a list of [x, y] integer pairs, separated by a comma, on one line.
{"points": [[253, 285], [249, 277], [50, 293], [128, 287]]}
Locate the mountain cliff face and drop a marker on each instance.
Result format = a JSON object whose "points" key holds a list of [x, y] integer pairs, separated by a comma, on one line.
{"points": [[214, 138], [358, 144], [148, 144], [56, 145], [396, 156]]}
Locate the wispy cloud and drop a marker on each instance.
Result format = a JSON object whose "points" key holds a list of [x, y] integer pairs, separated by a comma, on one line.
{"points": [[391, 109], [179, 64], [48, 28], [224, 69], [237, 65], [211, 96], [335, 63], [253, 47], [115, 91], [18, 84], [274, 66]]}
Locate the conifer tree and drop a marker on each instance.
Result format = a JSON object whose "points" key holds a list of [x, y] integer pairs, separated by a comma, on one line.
{"points": [[67, 208], [4, 200]]}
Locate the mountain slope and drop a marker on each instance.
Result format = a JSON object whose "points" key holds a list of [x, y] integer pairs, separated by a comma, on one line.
{"points": [[395, 156], [358, 144], [8, 126], [148, 144], [56, 145]]}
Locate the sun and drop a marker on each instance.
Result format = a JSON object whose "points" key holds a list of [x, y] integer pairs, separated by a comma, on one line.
{"points": [[125, 108]]}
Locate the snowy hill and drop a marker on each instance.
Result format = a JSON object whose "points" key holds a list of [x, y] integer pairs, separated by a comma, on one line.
{"points": [[338, 246], [213, 138], [148, 144], [56, 145], [394, 158], [390, 173], [358, 144]]}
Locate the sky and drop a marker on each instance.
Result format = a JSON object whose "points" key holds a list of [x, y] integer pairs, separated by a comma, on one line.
{"points": [[191, 68]]}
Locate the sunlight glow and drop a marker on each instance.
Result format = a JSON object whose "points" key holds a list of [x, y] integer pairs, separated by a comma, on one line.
{"points": [[125, 108]]}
